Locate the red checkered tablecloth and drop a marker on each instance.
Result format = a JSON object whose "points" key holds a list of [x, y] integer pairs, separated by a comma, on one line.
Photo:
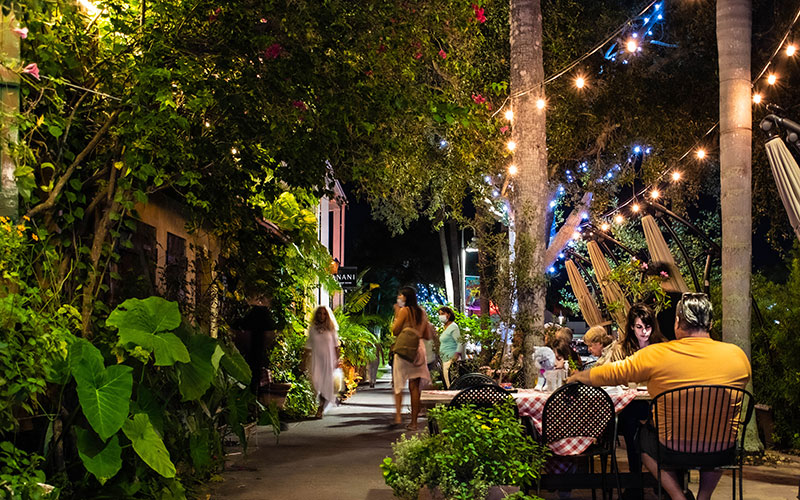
{"points": [[531, 403]]}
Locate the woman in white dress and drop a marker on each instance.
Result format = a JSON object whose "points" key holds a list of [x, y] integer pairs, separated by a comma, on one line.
{"points": [[322, 348], [410, 315]]}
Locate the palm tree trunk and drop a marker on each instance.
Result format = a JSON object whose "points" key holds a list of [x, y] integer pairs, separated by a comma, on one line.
{"points": [[529, 196], [734, 31]]}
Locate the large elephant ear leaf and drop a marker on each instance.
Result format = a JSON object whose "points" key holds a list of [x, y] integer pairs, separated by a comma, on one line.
{"points": [[196, 376], [148, 444], [235, 365], [103, 460], [151, 315], [104, 395]]}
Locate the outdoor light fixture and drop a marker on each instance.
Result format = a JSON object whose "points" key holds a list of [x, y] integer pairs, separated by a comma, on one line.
{"points": [[89, 7], [790, 50], [757, 98], [619, 219], [654, 193], [509, 115], [580, 82], [234, 151], [676, 176], [701, 154], [511, 145], [771, 79], [635, 207], [631, 46], [540, 103], [576, 235], [208, 124], [513, 170], [604, 226]]}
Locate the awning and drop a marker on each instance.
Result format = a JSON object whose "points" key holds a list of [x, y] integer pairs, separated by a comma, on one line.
{"points": [[659, 252], [591, 313], [787, 178], [612, 293]]}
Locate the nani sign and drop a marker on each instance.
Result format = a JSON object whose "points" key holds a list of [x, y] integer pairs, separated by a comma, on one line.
{"points": [[346, 276]]}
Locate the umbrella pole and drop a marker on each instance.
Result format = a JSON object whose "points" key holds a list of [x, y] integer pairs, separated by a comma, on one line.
{"points": [[692, 227], [683, 252], [706, 272]]}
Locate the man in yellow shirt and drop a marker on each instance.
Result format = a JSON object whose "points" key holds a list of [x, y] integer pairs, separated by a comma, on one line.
{"points": [[694, 358]]}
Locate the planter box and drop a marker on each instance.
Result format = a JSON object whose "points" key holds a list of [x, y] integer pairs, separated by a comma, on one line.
{"points": [[765, 421], [275, 393]]}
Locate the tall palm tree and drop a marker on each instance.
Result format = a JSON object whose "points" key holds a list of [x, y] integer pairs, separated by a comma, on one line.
{"points": [[530, 190]]}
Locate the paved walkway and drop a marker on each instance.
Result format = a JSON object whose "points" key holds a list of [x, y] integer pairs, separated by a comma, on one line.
{"points": [[338, 458]]}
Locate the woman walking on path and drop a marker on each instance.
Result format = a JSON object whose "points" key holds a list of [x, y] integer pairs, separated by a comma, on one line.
{"points": [[451, 345], [409, 315], [322, 348]]}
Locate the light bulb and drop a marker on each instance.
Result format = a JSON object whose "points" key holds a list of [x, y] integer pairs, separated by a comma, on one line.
{"points": [[604, 226], [234, 151], [654, 193], [619, 219], [631, 45], [676, 176], [700, 154], [511, 145], [771, 79], [757, 98], [791, 49], [509, 115], [540, 103], [635, 207], [208, 124], [576, 235], [580, 82], [512, 170]]}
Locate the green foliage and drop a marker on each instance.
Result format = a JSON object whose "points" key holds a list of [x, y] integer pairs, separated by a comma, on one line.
{"points": [[630, 276], [20, 477], [148, 444], [285, 361], [475, 449], [775, 350], [103, 460]]}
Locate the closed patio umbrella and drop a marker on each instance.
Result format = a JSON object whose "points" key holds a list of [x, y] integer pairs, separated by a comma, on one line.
{"points": [[612, 293], [787, 178], [591, 313], [659, 252]]}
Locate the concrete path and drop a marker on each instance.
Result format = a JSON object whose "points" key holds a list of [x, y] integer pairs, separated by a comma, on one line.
{"points": [[338, 458]]}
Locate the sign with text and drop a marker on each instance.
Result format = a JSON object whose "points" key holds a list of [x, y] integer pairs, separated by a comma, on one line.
{"points": [[347, 276]]}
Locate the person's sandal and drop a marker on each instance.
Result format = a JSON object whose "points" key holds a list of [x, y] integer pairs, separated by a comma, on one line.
{"points": [[412, 427]]}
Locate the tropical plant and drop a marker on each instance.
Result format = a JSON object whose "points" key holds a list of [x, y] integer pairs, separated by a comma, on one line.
{"points": [[638, 285], [474, 450]]}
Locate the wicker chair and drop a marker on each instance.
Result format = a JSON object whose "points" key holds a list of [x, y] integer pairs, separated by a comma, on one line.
{"points": [[470, 379], [578, 410], [702, 426]]}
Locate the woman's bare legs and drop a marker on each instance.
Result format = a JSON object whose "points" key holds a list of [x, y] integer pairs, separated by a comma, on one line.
{"points": [[398, 407], [413, 388]]}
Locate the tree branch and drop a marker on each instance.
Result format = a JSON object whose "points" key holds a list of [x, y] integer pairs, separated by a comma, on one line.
{"points": [[564, 234], [51, 199]]}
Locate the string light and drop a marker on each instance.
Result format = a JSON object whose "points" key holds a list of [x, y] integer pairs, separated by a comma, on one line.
{"points": [[511, 145], [791, 49], [540, 103], [700, 154], [234, 151], [771, 79], [580, 82], [604, 226], [654, 194], [208, 124], [676, 176], [631, 45], [757, 98], [509, 115], [635, 208], [512, 170], [619, 219], [576, 235]]}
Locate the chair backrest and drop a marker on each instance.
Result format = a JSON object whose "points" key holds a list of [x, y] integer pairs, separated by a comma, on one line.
{"points": [[470, 379], [481, 396], [579, 410], [588, 365], [702, 418]]}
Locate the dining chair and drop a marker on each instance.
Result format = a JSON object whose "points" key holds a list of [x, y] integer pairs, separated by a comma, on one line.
{"points": [[470, 379], [701, 427], [578, 410]]}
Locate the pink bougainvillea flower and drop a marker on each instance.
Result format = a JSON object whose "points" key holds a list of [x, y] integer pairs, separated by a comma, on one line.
{"points": [[215, 15], [479, 13], [479, 99], [442, 54], [273, 51], [300, 105], [263, 20], [664, 274], [368, 72], [21, 32], [32, 69], [417, 55], [381, 49], [489, 106], [644, 265], [504, 129]]}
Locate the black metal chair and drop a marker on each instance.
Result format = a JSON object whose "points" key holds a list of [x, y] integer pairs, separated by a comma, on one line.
{"points": [[578, 410], [701, 427], [486, 396], [470, 379]]}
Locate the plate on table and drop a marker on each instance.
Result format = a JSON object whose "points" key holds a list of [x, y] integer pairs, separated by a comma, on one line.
{"points": [[613, 389]]}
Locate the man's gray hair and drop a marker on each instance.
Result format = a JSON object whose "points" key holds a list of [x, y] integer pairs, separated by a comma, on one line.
{"points": [[694, 312]]}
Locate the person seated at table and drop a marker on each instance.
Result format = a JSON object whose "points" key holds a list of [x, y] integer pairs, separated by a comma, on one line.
{"points": [[641, 330], [564, 353], [694, 358], [599, 342], [566, 334]]}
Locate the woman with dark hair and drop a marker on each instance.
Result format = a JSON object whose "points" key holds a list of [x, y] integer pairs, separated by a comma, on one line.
{"points": [[451, 345], [408, 314], [641, 330]]}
